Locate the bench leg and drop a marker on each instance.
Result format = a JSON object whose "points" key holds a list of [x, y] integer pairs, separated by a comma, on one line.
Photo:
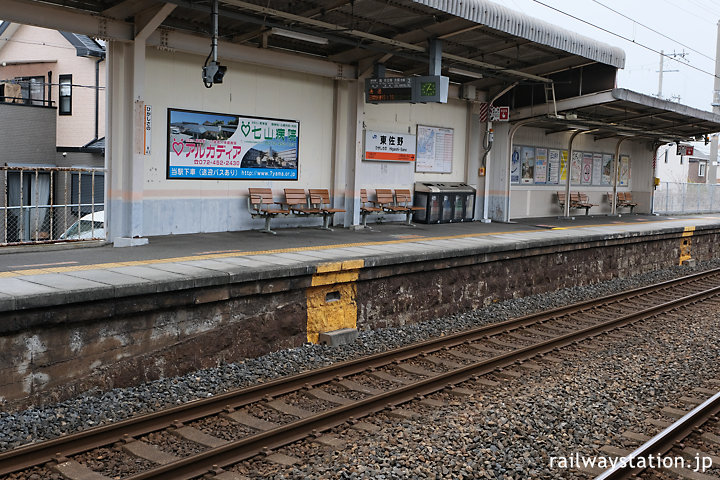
{"points": [[632, 207], [587, 210], [326, 222], [267, 226], [408, 219]]}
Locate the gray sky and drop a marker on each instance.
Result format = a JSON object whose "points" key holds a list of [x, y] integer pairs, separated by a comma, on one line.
{"points": [[689, 22]]}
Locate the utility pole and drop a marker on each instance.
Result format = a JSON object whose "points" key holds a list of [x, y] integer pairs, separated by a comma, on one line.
{"points": [[712, 164], [662, 70]]}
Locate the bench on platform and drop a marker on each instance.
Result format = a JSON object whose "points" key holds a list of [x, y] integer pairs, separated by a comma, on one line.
{"points": [[624, 199], [320, 199], [367, 207], [260, 204], [577, 200], [400, 202]]}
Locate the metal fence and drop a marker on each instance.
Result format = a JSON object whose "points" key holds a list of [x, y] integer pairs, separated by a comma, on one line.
{"points": [[51, 204], [673, 198]]}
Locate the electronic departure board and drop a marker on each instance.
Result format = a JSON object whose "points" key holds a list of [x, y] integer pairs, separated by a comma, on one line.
{"points": [[407, 89], [385, 90]]}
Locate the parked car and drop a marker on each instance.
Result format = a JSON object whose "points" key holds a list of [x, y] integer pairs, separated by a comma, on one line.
{"points": [[89, 226]]}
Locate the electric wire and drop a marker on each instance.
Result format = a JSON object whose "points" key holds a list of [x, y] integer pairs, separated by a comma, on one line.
{"points": [[653, 30], [625, 38]]}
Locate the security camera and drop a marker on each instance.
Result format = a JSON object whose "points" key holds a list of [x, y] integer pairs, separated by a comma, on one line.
{"points": [[213, 72]]}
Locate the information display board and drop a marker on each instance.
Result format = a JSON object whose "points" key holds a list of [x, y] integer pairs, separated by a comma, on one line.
{"points": [[203, 145], [434, 149]]}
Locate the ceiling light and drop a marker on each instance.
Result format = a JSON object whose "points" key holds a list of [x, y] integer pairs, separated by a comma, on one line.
{"points": [[466, 73], [299, 36]]}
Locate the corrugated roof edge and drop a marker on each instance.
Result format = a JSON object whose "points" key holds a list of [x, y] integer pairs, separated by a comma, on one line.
{"points": [[515, 23], [650, 101]]}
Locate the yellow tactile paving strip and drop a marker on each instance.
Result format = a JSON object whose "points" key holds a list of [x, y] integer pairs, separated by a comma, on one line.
{"points": [[215, 256]]}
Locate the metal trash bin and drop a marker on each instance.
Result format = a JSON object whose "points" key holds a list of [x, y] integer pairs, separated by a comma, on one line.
{"points": [[444, 202]]}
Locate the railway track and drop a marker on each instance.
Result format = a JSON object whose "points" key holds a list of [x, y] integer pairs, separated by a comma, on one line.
{"points": [[229, 428], [701, 422]]}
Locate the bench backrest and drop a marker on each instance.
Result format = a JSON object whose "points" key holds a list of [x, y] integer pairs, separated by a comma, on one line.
{"points": [[561, 197], [403, 196], [583, 198], [363, 196], [296, 196], [384, 196], [260, 196], [319, 196]]}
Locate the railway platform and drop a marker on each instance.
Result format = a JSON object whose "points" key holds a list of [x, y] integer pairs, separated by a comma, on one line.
{"points": [[103, 317]]}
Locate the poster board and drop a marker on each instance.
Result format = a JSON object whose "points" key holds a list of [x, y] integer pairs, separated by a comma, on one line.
{"points": [[607, 167], [576, 168], [541, 166], [205, 146], [597, 168], [527, 165], [553, 166], [624, 166], [515, 165], [563, 166], [389, 147], [434, 149], [587, 166]]}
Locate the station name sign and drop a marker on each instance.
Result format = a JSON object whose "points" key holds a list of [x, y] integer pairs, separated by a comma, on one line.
{"points": [[428, 89]]}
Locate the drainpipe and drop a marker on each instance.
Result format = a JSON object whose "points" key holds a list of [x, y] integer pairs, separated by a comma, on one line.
{"points": [[487, 146], [97, 97]]}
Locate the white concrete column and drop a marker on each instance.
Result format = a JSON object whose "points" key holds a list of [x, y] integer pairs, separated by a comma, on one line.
{"points": [[125, 155], [344, 151], [125, 158], [498, 172]]}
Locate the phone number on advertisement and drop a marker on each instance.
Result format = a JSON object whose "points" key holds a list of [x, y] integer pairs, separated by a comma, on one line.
{"points": [[221, 163]]}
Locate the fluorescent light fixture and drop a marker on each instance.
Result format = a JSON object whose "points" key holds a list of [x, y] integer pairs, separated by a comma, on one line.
{"points": [[466, 73], [299, 36]]}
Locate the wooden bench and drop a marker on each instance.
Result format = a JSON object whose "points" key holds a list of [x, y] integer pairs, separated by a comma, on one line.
{"points": [[366, 207], [296, 201], [260, 201], [577, 200], [320, 199], [625, 200], [401, 202]]}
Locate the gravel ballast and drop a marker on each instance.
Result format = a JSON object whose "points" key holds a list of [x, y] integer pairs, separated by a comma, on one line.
{"points": [[90, 410]]}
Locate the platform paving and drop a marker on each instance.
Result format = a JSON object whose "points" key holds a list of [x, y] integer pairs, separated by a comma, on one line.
{"points": [[38, 277]]}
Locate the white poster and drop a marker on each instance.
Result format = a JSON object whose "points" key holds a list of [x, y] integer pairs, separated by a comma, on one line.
{"points": [[597, 168], [527, 160], [553, 167]]}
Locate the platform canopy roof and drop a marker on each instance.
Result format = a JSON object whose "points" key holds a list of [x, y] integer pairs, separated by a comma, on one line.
{"points": [[479, 37], [620, 112]]}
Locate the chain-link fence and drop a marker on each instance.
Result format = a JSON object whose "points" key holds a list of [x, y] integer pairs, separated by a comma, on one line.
{"points": [[673, 198], [50, 204]]}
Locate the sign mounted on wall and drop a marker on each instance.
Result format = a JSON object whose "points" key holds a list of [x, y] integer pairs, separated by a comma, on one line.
{"points": [[218, 146], [685, 149], [389, 147], [148, 129], [435, 149]]}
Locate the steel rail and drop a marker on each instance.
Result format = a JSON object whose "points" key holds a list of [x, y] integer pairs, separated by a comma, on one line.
{"points": [[237, 451], [38, 453], [665, 440]]}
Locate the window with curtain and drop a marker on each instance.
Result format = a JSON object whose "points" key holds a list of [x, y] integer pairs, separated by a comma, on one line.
{"points": [[32, 90], [65, 95]]}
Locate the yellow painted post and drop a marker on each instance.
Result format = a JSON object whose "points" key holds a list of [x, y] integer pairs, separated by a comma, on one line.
{"points": [[331, 298], [686, 244]]}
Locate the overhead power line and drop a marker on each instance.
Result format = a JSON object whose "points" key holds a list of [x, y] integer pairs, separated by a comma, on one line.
{"points": [[653, 30], [625, 38]]}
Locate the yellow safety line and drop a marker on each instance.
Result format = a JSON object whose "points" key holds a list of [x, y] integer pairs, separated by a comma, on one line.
{"points": [[139, 263]]}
